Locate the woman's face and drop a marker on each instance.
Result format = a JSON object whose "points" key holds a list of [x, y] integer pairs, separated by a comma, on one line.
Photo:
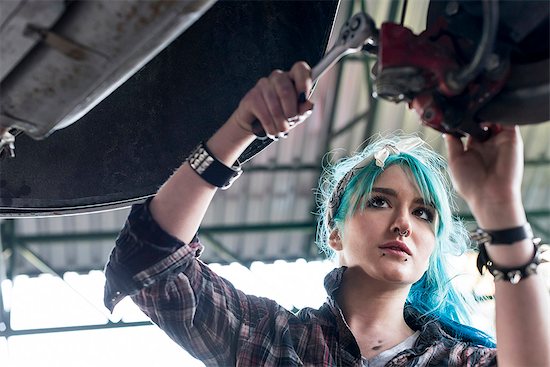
{"points": [[371, 238]]}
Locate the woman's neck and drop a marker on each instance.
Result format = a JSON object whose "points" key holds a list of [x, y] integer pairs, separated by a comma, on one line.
{"points": [[373, 311]]}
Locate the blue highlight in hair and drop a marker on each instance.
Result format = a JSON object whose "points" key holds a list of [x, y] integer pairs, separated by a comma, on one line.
{"points": [[434, 295]]}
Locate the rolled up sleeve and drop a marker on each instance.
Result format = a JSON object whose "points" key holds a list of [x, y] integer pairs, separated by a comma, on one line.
{"points": [[143, 254], [201, 311]]}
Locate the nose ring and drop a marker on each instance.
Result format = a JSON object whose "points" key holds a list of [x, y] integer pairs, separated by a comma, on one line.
{"points": [[404, 233]]}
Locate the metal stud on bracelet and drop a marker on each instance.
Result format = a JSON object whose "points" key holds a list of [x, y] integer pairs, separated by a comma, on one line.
{"points": [[513, 275], [210, 169], [506, 236]]}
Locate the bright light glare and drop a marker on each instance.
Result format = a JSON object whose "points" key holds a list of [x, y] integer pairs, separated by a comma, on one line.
{"points": [[47, 302], [292, 284], [5, 287], [4, 357], [133, 346]]}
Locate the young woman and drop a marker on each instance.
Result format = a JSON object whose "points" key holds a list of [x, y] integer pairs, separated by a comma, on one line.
{"points": [[385, 215]]}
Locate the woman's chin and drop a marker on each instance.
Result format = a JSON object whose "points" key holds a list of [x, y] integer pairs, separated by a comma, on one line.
{"points": [[398, 276]]}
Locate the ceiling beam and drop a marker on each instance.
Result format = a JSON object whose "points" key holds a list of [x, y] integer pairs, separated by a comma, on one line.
{"points": [[5, 316], [282, 167], [63, 329], [225, 229]]}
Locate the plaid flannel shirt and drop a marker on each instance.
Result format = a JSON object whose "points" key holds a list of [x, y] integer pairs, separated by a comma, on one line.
{"points": [[221, 326]]}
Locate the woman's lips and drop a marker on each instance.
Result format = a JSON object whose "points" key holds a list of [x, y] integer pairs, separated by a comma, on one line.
{"points": [[397, 247]]}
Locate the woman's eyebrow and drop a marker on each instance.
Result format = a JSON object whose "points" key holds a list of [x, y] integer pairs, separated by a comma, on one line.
{"points": [[392, 192], [384, 190]]}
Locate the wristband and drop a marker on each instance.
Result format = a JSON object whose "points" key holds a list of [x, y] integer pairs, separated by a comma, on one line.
{"points": [[513, 275], [506, 236], [211, 170]]}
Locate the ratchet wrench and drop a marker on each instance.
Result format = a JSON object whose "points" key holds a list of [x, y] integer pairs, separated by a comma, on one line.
{"points": [[357, 33]]}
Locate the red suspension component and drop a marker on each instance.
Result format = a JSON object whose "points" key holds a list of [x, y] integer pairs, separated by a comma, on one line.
{"points": [[416, 69]]}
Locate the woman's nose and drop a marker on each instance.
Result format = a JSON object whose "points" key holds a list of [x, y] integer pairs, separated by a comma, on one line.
{"points": [[401, 225]]}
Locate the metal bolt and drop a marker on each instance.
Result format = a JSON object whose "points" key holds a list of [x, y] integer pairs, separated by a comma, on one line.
{"points": [[356, 23], [493, 62], [452, 8], [7, 142], [428, 114]]}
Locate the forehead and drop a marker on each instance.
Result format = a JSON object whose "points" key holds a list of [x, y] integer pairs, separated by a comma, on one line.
{"points": [[399, 179]]}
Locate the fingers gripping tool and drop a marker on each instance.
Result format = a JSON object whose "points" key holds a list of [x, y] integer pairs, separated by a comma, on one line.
{"points": [[358, 33]]}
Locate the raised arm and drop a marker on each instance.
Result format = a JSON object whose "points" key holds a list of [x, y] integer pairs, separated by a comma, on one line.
{"points": [[182, 201], [488, 176]]}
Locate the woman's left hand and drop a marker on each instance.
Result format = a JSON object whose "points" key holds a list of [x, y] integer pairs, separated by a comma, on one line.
{"points": [[488, 176]]}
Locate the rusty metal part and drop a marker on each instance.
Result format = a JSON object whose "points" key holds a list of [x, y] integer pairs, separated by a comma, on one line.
{"points": [[83, 53], [127, 146]]}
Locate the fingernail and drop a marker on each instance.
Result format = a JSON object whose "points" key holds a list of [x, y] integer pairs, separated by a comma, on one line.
{"points": [[284, 135], [305, 116], [262, 137], [293, 120]]}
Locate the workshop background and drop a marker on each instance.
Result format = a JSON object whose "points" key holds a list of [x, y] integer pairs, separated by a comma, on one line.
{"points": [[260, 233]]}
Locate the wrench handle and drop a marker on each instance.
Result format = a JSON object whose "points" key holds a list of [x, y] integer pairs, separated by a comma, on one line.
{"points": [[356, 32]]}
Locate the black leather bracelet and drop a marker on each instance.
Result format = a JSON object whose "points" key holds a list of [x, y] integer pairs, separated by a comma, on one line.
{"points": [[210, 169], [506, 236], [512, 275]]}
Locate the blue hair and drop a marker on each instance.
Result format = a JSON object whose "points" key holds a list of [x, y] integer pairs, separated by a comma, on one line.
{"points": [[433, 296]]}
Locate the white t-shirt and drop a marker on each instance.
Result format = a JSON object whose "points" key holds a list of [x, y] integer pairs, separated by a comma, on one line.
{"points": [[381, 359]]}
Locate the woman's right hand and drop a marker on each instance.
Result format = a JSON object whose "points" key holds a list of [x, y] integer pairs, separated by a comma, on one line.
{"points": [[274, 102], [181, 203]]}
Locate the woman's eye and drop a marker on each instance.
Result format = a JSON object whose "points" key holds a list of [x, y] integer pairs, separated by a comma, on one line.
{"points": [[378, 202], [424, 214]]}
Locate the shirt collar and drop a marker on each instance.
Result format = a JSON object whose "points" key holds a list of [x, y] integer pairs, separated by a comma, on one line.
{"points": [[333, 280], [431, 331]]}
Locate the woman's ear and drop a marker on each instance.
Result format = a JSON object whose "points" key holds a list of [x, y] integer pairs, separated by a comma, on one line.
{"points": [[334, 240]]}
